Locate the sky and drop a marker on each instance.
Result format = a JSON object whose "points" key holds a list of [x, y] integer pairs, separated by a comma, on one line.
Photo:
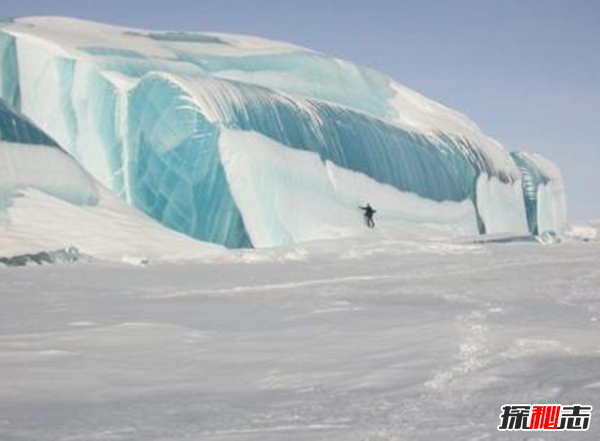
{"points": [[527, 71]]}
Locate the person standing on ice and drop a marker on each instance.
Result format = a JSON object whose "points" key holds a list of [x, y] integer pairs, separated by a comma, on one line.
{"points": [[369, 212]]}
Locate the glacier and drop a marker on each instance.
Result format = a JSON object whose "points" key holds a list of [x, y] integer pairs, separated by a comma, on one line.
{"points": [[245, 142]]}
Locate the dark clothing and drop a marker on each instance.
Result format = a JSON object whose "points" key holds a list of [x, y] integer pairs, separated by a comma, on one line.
{"points": [[369, 212]]}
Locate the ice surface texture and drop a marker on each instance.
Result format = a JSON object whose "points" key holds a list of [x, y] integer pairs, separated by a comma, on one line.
{"points": [[543, 192], [31, 159], [49, 202], [148, 114], [16, 128]]}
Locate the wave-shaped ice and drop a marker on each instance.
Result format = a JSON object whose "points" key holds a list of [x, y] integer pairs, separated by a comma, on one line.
{"points": [[543, 193], [288, 195], [48, 201], [144, 111], [175, 122]]}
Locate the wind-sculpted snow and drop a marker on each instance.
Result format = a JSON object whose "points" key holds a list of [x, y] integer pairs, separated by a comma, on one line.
{"points": [[381, 337], [144, 112]]}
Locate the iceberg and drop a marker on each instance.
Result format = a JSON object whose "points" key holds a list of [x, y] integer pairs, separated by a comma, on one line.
{"points": [[245, 142]]}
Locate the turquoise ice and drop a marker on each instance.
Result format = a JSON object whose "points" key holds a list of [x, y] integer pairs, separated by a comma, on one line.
{"points": [[144, 112], [543, 192], [30, 159]]}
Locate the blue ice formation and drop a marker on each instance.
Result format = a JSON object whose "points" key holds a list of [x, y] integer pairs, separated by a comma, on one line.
{"points": [[543, 192], [16, 128], [150, 115], [31, 159]]}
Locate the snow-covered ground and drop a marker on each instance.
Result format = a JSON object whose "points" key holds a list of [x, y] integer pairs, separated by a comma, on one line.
{"points": [[378, 337], [111, 229]]}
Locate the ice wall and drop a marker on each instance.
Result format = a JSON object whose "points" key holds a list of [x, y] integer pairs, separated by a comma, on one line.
{"points": [[500, 206], [48, 202], [174, 172], [9, 76], [543, 193], [144, 112], [31, 159], [75, 104], [175, 121], [288, 195]]}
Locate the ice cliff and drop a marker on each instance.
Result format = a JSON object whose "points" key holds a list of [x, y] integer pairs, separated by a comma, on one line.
{"points": [[244, 141]]}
